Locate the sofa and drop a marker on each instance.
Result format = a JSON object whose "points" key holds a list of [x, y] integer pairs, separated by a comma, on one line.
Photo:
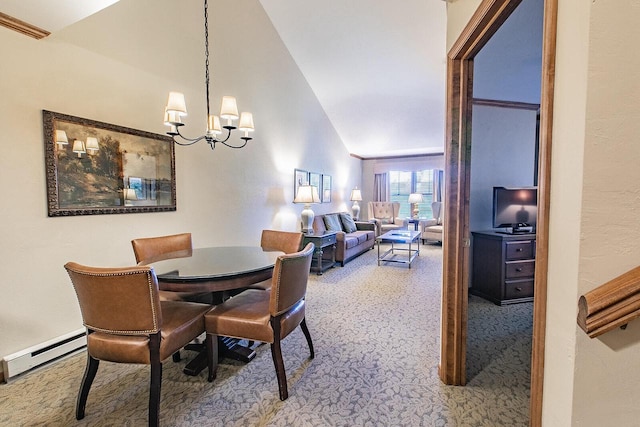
{"points": [[385, 216], [352, 237]]}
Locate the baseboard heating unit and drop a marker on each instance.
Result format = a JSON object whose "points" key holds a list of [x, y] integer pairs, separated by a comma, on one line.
{"points": [[32, 357]]}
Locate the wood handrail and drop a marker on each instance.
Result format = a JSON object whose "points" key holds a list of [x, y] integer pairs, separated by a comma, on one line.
{"points": [[611, 304], [22, 27]]}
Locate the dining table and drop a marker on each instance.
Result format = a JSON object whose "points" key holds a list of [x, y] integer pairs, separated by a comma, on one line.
{"points": [[223, 271]]}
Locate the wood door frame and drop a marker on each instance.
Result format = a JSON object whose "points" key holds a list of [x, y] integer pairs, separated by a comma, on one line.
{"points": [[489, 16]]}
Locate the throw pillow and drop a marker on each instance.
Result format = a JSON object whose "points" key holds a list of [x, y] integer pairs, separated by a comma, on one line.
{"points": [[348, 223], [332, 222], [386, 221]]}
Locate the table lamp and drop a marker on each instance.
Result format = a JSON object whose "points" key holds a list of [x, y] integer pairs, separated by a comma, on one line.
{"points": [[414, 199], [356, 196], [307, 194]]}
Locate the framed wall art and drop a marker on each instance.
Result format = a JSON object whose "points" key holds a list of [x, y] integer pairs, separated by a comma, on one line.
{"points": [[99, 168], [300, 177], [326, 189], [315, 179]]}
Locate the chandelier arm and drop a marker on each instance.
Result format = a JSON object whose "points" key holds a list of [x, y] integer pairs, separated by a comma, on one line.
{"points": [[235, 146], [189, 141]]}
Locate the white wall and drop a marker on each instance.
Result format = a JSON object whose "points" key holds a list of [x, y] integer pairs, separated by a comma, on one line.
{"points": [[224, 197], [502, 155], [593, 229]]}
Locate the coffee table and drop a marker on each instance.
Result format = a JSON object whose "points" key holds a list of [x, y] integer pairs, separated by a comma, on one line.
{"points": [[406, 237]]}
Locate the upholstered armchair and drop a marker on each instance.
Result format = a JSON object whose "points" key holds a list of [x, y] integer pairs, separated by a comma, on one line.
{"points": [[385, 216], [431, 229]]}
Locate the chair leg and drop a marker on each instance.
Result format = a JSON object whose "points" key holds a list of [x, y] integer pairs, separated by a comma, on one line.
{"points": [[156, 380], [307, 335], [276, 354], [89, 374], [211, 342]]}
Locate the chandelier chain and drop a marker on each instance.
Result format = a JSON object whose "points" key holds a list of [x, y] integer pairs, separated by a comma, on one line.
{"points": [[206, 52]]}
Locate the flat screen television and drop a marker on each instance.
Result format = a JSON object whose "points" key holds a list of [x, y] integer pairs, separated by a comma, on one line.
{"points": [[515, 209]]}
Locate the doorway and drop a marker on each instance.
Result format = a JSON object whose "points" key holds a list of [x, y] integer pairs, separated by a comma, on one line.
{"points": [[489, 16]]}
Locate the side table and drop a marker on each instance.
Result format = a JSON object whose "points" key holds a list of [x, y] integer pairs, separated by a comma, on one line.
{"points": [[414, 221], [323, 243]]}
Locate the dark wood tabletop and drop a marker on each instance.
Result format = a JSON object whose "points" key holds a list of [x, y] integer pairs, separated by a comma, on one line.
{"points": [[215, 269]]}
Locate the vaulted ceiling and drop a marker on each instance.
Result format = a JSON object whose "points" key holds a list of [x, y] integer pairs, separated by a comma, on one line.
{"points": [[377, 67]]}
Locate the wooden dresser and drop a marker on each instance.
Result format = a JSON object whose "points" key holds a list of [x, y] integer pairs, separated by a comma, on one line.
{"points": [[503, 266]]}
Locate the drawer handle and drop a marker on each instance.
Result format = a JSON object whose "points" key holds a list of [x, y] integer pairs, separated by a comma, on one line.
{"points": [[519, 289], [519, 269], [519, 249]]}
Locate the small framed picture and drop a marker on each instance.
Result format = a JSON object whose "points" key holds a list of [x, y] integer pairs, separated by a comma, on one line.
{"points": [[326, 189], [315, 180], [300, 177]]}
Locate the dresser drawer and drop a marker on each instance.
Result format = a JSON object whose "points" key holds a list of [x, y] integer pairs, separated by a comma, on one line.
{"points": [[328, 240], [518, 289], [519, 250], [519, 269]]}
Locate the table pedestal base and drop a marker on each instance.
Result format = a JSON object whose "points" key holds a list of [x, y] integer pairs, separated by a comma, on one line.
{"points": [[227, 347]]}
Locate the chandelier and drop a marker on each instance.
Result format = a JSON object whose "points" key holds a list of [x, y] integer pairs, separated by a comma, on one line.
{"points": [[176, 109]]}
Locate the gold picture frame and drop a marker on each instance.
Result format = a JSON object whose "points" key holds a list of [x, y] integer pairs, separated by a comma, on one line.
{"points": [[128, 171]]}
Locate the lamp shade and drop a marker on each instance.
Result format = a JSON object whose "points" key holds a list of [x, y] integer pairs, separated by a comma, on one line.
{"points": [[61, 137], [92, 145], [246, 122], [171, 118], [356, 195], [307, 194], [213, 125], [229, 108], [176, 104], [78, 147], [130, 194], [415, 198]]}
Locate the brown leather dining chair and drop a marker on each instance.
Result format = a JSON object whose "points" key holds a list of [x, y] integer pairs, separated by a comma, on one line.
{"points": [[267, 316], [275, 240], [152, 249], [127, 323], [285, 241]]}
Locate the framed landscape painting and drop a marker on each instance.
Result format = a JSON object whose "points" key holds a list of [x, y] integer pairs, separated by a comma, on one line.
{"points": [[99, 168]]}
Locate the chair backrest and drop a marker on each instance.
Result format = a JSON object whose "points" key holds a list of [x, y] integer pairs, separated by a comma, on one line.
{"points": [[285, 241], [121, 301], [150, 249], [436, 207], [384, 210], [289, 282]]}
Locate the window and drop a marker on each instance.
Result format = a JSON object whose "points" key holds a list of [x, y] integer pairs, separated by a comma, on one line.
{"points": [[403, 183]]}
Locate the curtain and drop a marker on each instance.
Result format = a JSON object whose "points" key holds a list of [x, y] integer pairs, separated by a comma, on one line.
{"points": [[438, 185], [380, 187]]}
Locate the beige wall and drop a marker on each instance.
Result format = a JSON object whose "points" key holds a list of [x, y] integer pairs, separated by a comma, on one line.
{"points": [[608, 368], [224, 197], [594, 201]]}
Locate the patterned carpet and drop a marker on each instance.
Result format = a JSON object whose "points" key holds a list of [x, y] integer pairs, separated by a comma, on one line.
{"points": [[376, 334]]}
